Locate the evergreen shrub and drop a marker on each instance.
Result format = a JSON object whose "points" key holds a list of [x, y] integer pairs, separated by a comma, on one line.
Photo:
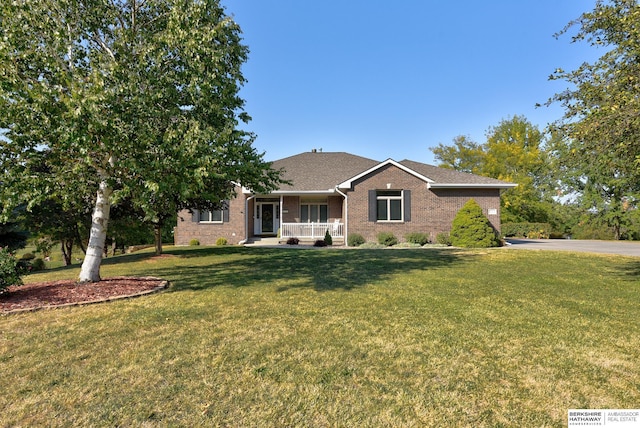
{"points": [[472, 229], [327, 238]]}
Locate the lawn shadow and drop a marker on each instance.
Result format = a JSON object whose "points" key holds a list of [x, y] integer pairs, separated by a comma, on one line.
{"points": [[319, 269], [630, 271]]}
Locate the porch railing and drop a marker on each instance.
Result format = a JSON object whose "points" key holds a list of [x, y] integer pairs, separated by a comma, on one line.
{"points": [[311, 230]]}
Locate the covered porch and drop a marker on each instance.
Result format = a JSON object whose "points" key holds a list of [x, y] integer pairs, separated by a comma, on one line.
{"points": [[306, 216]]}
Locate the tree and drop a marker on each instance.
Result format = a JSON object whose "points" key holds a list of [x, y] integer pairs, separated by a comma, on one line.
{"points": [[125, 99], [464, 155], [514, 152], [600, 147]]}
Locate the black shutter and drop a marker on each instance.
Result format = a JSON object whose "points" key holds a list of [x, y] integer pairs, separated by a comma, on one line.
{"points": [[373, 205], [407, 205], [225, 212], [195, 216]]}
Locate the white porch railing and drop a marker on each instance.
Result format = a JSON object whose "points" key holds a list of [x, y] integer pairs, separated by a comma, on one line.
{"points": [[311, 230]]}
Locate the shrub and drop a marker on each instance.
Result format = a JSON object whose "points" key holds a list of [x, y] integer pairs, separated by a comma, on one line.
{"points": [[10, 270], [194, 242], [387, 238], [472, 229], [355, 240], [38, 264], [327, 238], [320, 243], [417, 238], [28, 256], [443, 238], [221, 241], [526, 229], [293, 241]]}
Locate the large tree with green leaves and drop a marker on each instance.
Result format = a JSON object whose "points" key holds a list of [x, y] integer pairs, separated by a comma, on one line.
{"points": [[123, 99], [514, 152], [600, 148]]}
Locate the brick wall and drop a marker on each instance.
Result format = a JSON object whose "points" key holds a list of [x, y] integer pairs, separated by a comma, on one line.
{"points": [[432, 211], [207, 233]]}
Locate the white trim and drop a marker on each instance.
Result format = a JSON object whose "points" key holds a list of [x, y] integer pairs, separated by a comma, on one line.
{"points": [[348, 184], [303, 192], [346, 216], [471, 185]]}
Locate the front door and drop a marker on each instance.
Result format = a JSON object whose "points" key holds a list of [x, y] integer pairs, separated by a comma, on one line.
{"points": [[266, 219]]}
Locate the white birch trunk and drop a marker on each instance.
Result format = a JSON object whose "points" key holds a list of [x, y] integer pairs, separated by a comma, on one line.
{"points": [[90, 271]]}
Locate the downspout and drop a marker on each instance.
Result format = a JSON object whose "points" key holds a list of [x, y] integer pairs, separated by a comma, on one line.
{"points": [[246, 220], [346, 216], [280, 208]]}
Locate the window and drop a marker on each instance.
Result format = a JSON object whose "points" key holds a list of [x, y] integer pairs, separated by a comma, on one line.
{"points": [[389, 205], [215, 216], [314, 210]]}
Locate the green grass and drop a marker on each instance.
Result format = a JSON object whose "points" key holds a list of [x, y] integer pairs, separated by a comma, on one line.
{"points": [[289, 337]]}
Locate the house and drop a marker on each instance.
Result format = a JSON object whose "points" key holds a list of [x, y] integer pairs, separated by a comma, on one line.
{"points": [[345, 194]]}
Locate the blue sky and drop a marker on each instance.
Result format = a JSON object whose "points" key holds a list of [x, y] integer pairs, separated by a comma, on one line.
{"points": [[387, 79]]}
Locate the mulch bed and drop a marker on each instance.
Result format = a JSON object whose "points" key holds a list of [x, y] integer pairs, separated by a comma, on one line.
{"points": [[68, 292]]}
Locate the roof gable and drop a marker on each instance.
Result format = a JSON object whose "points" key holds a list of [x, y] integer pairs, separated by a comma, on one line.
{"points": [[347, 184]]}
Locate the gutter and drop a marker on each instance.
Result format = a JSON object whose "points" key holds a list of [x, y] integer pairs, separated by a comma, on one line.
{"points": [[346, 216]]}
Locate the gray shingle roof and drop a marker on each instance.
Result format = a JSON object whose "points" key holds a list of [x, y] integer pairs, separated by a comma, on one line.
{"points": [[322, 171], [449, 176]]}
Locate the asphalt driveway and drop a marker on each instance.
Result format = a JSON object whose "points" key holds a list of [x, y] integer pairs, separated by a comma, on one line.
{"points": [[623, 248]]}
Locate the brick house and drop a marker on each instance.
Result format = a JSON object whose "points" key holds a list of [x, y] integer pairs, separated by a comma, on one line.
{"points": [[345, 194]]}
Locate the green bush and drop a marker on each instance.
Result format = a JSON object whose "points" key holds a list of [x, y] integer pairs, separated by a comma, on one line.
{"points": [[417, 238], [221, 241], [38, 264], [355, 240], [472, 229], [443, 238], [194, 242], [327, 238], [28, 256], [525, 229], [387, 238], [10, 270]]}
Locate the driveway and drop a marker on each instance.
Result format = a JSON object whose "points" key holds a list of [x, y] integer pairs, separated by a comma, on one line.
{"points": [[623, 248]]}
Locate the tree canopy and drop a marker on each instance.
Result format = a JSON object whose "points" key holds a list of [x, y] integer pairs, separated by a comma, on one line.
{"points": [[600, 146], [514, 152], [123, 99]]}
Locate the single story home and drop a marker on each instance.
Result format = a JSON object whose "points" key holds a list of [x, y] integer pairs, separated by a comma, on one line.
{"points": [[345, 194]]}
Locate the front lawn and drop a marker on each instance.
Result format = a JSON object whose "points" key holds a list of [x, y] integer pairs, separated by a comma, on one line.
{"points": [[289, 337]]}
